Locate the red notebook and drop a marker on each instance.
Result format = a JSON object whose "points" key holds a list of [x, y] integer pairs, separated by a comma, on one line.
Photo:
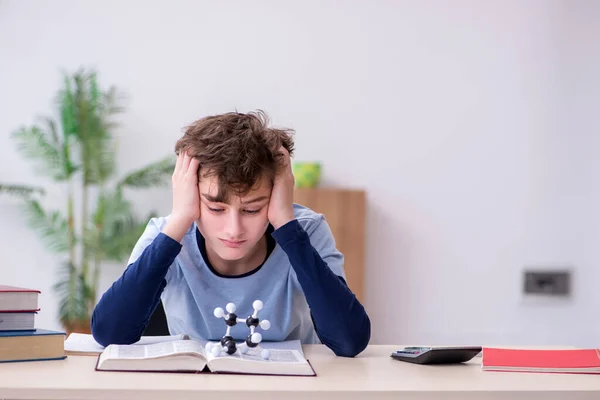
{"points": [[17, 299], [583, 361]]}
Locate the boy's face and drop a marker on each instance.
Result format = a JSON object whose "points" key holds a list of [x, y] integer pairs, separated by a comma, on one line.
{"points": [[232, 230]]}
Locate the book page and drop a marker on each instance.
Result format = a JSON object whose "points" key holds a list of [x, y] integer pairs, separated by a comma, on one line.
{"points": [[281, 356], [154, 350], [281, 352], [85, 343]]}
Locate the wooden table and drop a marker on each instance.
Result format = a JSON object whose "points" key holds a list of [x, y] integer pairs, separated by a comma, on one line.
{"points": [[371, 375]]}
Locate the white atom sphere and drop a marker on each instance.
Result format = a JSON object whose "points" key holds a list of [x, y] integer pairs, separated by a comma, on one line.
{"points": [[258, 305], [256, 337], [265, 324], [216, 351], [265, 354], [243, 349], [230, 308], [208, 347], [219, 313]]}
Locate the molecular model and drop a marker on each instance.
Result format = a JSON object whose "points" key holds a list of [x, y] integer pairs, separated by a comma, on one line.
{"points": [[228, 344]]}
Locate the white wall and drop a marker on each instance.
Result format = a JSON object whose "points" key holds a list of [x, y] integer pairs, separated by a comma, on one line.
{"points": [[457, 120], [578, 164]]}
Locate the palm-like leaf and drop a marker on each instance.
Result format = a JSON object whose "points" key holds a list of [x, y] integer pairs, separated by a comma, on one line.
{"points": [[52, 226], [124, 235], [66, 105], [110, 103], [155, 174], [117, 227], [112, 206], [107, 105], [85, 117], [35, 144], [51, 130], [92, 112], [74, 295], [23, 191], [112, 210], [100, 152]]}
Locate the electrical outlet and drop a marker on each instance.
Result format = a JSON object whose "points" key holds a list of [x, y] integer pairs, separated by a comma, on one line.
{"points": [[547, 282]]}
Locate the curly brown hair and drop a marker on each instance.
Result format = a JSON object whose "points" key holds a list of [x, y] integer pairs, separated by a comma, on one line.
{"points": [[239, 149]]}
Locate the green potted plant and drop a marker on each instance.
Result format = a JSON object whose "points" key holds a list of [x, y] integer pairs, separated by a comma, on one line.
{"points": [[78, 152]]}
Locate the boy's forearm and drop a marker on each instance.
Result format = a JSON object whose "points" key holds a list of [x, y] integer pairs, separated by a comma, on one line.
{"points": [[122, 313], [341, 321], [176, 228]]}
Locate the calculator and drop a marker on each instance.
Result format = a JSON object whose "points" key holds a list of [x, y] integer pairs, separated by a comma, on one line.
{"points": [[436, 355]]}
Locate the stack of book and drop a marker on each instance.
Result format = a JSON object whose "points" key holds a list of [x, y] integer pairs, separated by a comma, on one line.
{"points": [[19, 338]]}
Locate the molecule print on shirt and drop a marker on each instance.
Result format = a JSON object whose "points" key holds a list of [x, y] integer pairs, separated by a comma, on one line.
{"points": [[228, 344]]}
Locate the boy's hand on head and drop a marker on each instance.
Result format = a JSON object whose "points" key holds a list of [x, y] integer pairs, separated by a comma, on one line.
{"points": [[281, 204], [186, 197]]}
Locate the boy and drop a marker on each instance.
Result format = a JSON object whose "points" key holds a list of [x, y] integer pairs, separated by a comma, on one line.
{"points": [[235, 235]]}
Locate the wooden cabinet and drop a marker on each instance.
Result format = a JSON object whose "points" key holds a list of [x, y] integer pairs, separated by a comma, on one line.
{"points": [[344, 210]]}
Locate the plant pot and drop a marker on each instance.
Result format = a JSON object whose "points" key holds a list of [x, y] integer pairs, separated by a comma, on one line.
{"points": [[306, 174], [78, 327]]}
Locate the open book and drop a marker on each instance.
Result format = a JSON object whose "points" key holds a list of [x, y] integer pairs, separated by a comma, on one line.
{"points": [[286, 358]]}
